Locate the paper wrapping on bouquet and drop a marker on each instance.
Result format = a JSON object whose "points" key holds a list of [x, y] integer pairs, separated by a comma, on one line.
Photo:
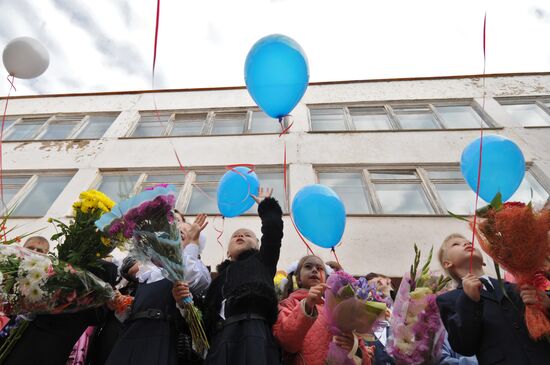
{"points": [[417, 331], [351, 306], [32, 283]]}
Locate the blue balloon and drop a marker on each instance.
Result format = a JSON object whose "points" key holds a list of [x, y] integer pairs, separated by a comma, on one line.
{"points": [[319, 215], [235, 191], [276, 74], [502, 167]]}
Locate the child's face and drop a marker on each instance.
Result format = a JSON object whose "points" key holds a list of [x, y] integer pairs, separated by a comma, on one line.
{"points": [[457, 254], [312, 273], [242, 240]]}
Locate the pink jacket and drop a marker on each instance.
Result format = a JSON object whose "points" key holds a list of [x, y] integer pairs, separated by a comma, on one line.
{"points": [[304, 338]]}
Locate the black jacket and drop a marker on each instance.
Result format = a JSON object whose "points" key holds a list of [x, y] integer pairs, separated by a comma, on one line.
{"points": [[493, 329], [247, 284]]}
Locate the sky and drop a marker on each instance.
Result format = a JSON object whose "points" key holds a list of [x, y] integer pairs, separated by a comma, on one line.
{"points": [[107, 45]]}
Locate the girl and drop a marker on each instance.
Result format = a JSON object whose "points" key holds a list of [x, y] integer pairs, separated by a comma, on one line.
{"points": [[301, 328], [241, 304], [152, 333]]}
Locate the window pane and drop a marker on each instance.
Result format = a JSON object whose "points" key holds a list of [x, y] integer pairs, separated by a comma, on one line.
{"points": [[416, 118], [174, 179], [447, 174], [11, 186], [403, 199], [24, 130], [370, 119], [209, 177], [41, 197], [272, 180], [57, 131], [151, 126], [523, 194], [96, 126], [458, 198], [349, 186], [228, 124], [263, 123], [528, 114], [460, 117], [118, 187], [393, 175], [188, 124], [203, 200], [328, 119], [8, 123]]}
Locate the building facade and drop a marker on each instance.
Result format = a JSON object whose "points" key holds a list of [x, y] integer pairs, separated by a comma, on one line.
{"points": [[389, 148]]}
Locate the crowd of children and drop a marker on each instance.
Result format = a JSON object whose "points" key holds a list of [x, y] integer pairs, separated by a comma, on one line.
{"points": [[247, 323]]}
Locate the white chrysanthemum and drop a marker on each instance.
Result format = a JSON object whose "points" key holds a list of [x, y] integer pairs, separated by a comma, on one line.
{"points": [[36, 276], [35, 294], [24, 285], [29, 263], [1, 278], [7, 250]]}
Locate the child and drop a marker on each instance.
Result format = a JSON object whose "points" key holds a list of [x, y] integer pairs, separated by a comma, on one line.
{"points": [[155, 327], [241, 304], [301, 328], [479, 318]]}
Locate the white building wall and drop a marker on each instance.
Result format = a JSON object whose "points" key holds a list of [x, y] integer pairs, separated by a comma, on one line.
{"points": [[371, 243]]}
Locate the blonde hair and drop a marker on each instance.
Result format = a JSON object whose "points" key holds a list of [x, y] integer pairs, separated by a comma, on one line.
{"points": [[443, 248]]}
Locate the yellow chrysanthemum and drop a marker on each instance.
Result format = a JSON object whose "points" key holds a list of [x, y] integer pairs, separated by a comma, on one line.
{"points": [[106, 241], [92, 200]]}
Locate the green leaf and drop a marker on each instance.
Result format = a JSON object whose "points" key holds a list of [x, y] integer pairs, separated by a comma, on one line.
{"points": [[496, 203], [457, 216]]}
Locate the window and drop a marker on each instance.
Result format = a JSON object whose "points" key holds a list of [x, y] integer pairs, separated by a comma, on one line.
{"points": [[197, 191], [535, 114], [228, 123], [217, 123], [57, 127], [396, 117], [424, 191], [32, 195]]}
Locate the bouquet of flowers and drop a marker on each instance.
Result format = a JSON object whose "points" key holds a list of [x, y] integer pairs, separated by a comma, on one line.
{"points": [[148, 219], [418, 333], [32, 283], [516, 236], [81, 243], [351, 306]]}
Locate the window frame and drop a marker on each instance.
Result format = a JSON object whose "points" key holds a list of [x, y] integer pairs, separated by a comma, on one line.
{"points": [[27, 188], [81, 121], [208, 124], [184, 195], [392, 115], [427, 184], [536, 100]]}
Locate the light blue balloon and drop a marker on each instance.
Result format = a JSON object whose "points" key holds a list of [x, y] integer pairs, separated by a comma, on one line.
{"points": [[276, 74], [319, 215], [502, 167], [235, 191]]}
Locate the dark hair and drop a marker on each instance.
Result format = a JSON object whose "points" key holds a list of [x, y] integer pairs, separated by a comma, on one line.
{"points": [[127, 264], [289, 287]]}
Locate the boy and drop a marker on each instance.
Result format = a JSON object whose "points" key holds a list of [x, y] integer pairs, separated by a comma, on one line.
{"points": [[479, 318]]}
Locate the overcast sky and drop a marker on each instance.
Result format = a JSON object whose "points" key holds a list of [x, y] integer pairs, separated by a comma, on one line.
{"points": [[107, 45]]}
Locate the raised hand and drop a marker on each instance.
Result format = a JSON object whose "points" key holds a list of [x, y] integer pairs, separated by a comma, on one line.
{"points": [[192, 231], [264, 193], [315, 296]]}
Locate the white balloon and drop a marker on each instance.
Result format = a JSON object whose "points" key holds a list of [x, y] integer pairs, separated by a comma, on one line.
{"points": [[25, 58]]}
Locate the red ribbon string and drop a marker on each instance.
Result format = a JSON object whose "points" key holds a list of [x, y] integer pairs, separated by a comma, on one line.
{"points": [[156, 40], [474, 228]]}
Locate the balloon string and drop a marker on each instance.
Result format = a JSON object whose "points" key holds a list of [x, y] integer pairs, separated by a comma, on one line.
{"points": [[285, 183], [251, 170], [474, 230], [220, 232], [333, 250]]}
